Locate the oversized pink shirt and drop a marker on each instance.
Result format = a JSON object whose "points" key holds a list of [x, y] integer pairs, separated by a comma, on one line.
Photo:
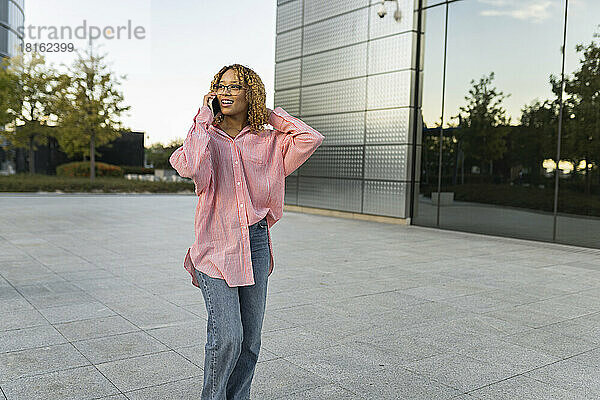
{"points": [[238, 181]]}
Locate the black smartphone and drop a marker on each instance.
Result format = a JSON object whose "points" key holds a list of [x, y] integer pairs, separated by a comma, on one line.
{"points": [[215, 107]]}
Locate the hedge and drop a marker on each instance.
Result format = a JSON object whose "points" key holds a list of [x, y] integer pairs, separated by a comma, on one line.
{"points": [[82, 169], [129, 169], [48, 183]]}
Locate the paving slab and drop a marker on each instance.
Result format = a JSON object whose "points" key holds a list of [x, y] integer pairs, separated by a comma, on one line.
{"points": [[95, 304], [71, 384], [39, 360], [148, 370]]}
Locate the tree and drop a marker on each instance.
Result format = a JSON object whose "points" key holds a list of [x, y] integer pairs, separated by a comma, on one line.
{"points": [[158, 155], [482, 122], [9, 93], [582, 132], [90, 105], [28, 87], [535, 138]]}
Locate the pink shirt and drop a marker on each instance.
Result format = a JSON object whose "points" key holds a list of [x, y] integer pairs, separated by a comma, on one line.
{"points": [[238, 181]]}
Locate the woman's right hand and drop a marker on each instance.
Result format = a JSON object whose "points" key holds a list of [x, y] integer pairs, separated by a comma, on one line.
{"points": [[208, 98]]}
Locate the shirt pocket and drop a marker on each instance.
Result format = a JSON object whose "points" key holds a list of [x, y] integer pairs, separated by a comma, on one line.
{"points": [[256, 149]]}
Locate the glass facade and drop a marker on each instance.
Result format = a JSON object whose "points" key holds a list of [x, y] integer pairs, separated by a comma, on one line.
{"points": [[11, 17], [451, 117], [495, 120]]}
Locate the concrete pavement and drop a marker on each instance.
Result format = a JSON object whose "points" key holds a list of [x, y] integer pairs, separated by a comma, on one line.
{"points": [[95, 304]]}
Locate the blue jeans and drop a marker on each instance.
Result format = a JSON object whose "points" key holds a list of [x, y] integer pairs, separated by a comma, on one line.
{"points": [[235, 318]]}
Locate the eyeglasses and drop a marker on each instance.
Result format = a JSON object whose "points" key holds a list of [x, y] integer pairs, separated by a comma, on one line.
{"points": [[233, 89]]}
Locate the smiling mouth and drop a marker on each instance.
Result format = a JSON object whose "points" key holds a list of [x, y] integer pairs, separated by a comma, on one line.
{"points": [[226, 104]]}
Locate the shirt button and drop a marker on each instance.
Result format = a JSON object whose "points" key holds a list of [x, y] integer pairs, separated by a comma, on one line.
{"points": [[235, 162], [241, 204], [238, 183]]}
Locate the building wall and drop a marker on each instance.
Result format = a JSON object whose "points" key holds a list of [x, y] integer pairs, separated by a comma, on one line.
{"points": [[128, 149], [351, 75], [12, 16]]}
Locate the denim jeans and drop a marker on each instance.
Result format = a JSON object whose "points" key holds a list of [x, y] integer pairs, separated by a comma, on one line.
{"points": [[235, 318]]}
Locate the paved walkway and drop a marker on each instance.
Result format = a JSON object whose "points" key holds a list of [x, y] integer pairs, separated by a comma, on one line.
{"points": [[95, 304]]}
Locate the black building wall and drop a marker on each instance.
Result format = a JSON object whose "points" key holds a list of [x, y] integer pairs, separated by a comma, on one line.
{"points": [[125, 150]]}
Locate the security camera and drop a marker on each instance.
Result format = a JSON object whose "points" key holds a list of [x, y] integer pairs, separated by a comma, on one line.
{"points": [[381, 11]]}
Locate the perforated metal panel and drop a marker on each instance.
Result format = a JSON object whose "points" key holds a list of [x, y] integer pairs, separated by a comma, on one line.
{"points": [[385, 198], [335, 97], [287, 74], [335, 194], [334, 161], [291, 189], [389, 90], [288, 45], [339, 129], [387, 162], [289, 16], [391, 53], [353, 73], [345, 63], [316, 10], [338, 31], [289, 100], [388, 126]]}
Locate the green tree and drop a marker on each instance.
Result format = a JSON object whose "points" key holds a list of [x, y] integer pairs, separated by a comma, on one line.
{"points": [[9, 93], [582, 131], [28, 91], [90, 105], [482, 122], [158, 155]]}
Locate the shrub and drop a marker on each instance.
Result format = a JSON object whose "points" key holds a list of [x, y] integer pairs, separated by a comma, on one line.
{"points": [[82, 169], [46, 183], [130, 169]]}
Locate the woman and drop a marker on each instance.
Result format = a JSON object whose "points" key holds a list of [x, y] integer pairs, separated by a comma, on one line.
{"points": [[238, 168]]}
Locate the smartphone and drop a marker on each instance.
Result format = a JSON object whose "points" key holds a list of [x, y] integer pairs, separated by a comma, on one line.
{"points": [[214, 106]]}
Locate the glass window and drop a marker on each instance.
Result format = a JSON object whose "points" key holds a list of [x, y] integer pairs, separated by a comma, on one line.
{"points": [[4, 11], [499, 128], [578, 219], [21, 3], [15, 16], [3, 40], [425, 212]]}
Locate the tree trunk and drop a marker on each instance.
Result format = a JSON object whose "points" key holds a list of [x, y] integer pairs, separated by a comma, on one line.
{"points": [[31, 156], [455, 176], [588, 181], [92, 158], [462, 167]]}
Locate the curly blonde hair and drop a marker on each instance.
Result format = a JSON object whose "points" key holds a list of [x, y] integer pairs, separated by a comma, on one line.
{"points": [[255, 95]]}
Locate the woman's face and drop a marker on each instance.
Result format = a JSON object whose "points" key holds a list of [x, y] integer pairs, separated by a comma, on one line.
{"points": [[240, 104]]}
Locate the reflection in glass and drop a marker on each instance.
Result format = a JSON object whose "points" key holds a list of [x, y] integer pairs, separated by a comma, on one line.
{"points": [[501, 101], [425, 212], [578, 220]]}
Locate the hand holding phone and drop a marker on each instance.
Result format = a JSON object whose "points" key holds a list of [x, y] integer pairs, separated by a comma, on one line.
{"points": [[212, 102]]}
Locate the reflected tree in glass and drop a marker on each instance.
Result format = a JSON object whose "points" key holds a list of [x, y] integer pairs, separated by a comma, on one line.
{"points": [[483, 123], [581, 137]]}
